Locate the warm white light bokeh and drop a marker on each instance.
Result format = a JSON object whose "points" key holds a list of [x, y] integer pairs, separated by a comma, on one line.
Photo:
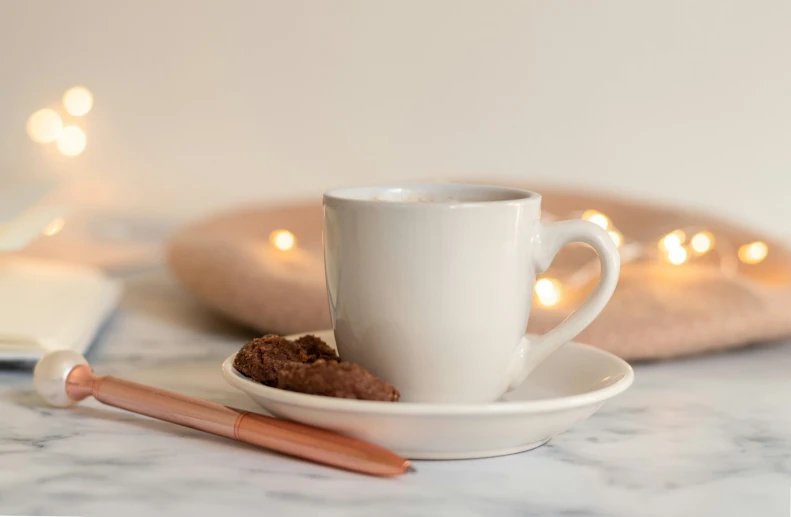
{"points": [[548, 291], [672, 240], [702, 242], [71, 141], [78, 101], [54, 227], [283, 240], [597, 218], [44, 126], [754, 252], [677, 256]]}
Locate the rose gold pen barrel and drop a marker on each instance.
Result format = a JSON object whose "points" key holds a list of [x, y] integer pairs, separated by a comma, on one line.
{"points": [[278, 435]]}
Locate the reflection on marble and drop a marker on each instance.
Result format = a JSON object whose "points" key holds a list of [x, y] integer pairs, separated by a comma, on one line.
{"points": [[704, 436]]}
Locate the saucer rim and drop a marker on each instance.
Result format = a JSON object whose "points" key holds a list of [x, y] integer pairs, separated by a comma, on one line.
{"points": [[600, 395]]}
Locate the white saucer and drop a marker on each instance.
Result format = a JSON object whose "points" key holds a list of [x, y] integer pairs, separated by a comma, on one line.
{"points": [[565, 389]]}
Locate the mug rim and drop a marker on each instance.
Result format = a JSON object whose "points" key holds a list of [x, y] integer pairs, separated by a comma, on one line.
{"points": [[343, 195]]}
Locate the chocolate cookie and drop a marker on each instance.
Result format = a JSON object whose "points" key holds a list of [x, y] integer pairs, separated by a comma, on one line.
{"points": [[334, 379], [261, 359], [317, 349]]}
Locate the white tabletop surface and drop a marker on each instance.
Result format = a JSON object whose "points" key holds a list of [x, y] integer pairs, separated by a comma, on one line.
{"points": [[703, 436]]}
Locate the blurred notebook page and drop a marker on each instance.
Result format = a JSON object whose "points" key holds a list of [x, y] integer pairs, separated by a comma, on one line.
{"points": [[50, 305]]}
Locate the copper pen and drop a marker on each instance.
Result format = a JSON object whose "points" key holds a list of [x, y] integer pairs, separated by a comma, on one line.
{"points": [[64, 377]]}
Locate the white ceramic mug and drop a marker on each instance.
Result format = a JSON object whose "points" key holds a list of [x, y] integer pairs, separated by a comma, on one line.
{"points": [[430, 286]]}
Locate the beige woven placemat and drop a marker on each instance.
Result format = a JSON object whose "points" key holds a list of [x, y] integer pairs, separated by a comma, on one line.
{"points": [[659, 310]]}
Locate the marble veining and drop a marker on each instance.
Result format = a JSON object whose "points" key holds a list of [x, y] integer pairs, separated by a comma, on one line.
{"points": [[702, 436]]}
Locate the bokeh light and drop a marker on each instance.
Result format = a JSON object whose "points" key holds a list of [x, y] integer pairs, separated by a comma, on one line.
{"points": [[672, 240], [44, 126], [71, 141], [702, 242], [677, 256], [754, 252], [597, 218], [54, 227], [78, 101], [283, 240], [548, 291]]}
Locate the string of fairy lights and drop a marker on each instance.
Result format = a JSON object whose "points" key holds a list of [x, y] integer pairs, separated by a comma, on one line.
{"points": [[677, 247]]}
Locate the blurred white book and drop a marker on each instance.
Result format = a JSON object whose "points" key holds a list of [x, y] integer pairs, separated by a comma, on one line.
{"points": [[46, 304]]}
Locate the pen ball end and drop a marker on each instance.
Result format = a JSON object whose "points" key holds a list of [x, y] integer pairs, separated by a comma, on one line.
{"points": [[50, 374]]}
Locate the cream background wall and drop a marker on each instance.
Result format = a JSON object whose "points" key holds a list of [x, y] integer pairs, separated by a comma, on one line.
{"points": [[202, 104]]}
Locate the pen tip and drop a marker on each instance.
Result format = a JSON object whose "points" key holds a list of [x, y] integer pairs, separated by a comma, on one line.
{"points": [[409, 468]]}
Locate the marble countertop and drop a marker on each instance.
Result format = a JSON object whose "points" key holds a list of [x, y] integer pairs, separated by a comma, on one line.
{"points": [[702, 436]]}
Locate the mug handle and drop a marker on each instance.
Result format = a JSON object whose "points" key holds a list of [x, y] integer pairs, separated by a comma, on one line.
{"points": [[547, 241]]}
